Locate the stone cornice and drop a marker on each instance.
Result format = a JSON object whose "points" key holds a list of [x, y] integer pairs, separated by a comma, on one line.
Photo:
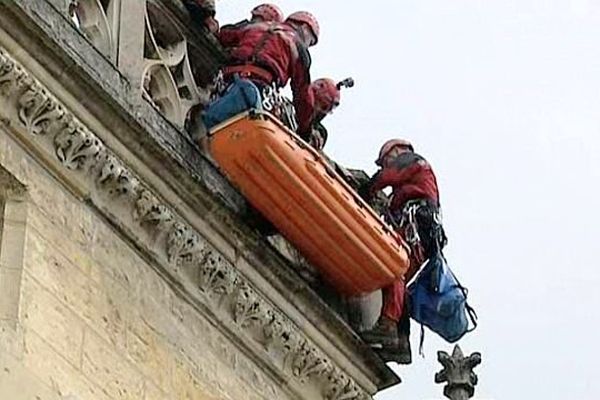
{"points": [[205, 276], [10, 187]]}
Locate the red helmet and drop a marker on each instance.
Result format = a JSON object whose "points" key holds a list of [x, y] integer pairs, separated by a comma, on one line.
{"points": [[268, 12], [307, 18], [326, 94], [389, 146]]}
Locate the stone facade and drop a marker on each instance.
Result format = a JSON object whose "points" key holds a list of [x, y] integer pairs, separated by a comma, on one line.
{"points": [[125, 269]]}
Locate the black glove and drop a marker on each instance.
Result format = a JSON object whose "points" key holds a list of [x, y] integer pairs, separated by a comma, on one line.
{"points": [[364, 191]]}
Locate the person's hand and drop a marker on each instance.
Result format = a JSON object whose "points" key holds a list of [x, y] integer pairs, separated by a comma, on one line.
{"points": [[316, 140], [212, 25]]}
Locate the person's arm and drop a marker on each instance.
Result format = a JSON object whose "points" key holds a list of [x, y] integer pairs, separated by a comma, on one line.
{"points": [[230, 35], [302, 96], [396, 175], [318, 136]]}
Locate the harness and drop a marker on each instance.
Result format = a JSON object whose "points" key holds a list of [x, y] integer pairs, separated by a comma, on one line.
{"points": [[256, 70], [406, 222], [249, 71], [252, 67]]}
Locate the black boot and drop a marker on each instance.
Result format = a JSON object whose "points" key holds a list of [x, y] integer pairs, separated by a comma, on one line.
{"points": [[401, 353], [383, 335]]}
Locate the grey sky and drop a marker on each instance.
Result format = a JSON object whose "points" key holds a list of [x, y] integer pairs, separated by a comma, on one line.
{"points": [[503, 97]]}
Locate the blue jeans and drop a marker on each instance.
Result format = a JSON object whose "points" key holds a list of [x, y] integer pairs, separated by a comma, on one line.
{"points": [[241, 95]]}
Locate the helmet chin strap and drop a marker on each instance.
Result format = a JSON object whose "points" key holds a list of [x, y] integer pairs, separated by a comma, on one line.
{"points": [[306, 34], [301, 29]]}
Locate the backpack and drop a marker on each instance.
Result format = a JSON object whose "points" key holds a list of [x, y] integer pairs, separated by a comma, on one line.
{"points": [[437, 300], [242, 95]]}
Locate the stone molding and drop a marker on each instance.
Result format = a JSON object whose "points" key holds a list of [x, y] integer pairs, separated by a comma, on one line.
{"points": [[13, 215], [204, 273], [10, 187]]}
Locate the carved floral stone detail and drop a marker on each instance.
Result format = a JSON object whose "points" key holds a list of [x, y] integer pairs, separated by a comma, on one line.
{"points": [[273, 328], [12, 76], [307, 362], [149, 210], [217, 275], [341, 387], [57, 131], [182, 242], [76, 147], [247, 308], [37, 111], [115, 178]]}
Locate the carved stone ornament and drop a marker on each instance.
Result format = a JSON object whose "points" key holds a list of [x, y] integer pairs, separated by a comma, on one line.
{"points": [[168, 79], [149, 210], [458, 373], [42, 119], [37, 111], [307, 362], [183, 244], [217, 278], [90, 17], [114, 178], [75, 147], [341, 387]]}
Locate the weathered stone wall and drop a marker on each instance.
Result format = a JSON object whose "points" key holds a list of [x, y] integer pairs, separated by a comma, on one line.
{"points": [[95, 320]]}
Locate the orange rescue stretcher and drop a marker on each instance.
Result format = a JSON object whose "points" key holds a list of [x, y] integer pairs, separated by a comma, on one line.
{"points": [[309, 203]]}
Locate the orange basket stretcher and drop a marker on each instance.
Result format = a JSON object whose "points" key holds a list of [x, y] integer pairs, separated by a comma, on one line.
{"points": [[311, 206]]}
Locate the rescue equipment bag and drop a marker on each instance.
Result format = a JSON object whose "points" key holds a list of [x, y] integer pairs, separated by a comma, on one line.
{"points": [[437, 300], [242, 95]]}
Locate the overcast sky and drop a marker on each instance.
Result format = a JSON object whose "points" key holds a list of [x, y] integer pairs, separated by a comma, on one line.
{"points": [[503, 98]]}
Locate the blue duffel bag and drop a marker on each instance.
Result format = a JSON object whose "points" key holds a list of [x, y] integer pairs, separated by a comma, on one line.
{"points": [[437, 300], [242, 95]]}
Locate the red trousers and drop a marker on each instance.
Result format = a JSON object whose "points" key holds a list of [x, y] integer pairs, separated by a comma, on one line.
{"points": [[393, 301], [393, 295]]}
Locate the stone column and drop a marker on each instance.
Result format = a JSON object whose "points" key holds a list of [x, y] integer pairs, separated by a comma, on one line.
{"points": [[131, 19], [458, 374]]}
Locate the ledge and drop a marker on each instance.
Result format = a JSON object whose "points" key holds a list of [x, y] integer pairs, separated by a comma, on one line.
{"points": [[115, 151]]}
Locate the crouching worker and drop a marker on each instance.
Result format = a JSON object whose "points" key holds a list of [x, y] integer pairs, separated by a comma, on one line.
{"points": [[264, 55], [414, 212]]}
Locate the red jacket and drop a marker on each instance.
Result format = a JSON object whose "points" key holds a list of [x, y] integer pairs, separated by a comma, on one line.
{"points": [[410, 177], [277, 49]]}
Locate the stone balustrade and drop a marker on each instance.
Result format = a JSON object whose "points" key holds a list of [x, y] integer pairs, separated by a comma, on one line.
{"points": [[155, 45]]}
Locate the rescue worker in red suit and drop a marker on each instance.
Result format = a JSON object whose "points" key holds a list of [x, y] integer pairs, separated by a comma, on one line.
{"points": [[326, 97], [414, 211], [202, 13], [274, 53]]}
